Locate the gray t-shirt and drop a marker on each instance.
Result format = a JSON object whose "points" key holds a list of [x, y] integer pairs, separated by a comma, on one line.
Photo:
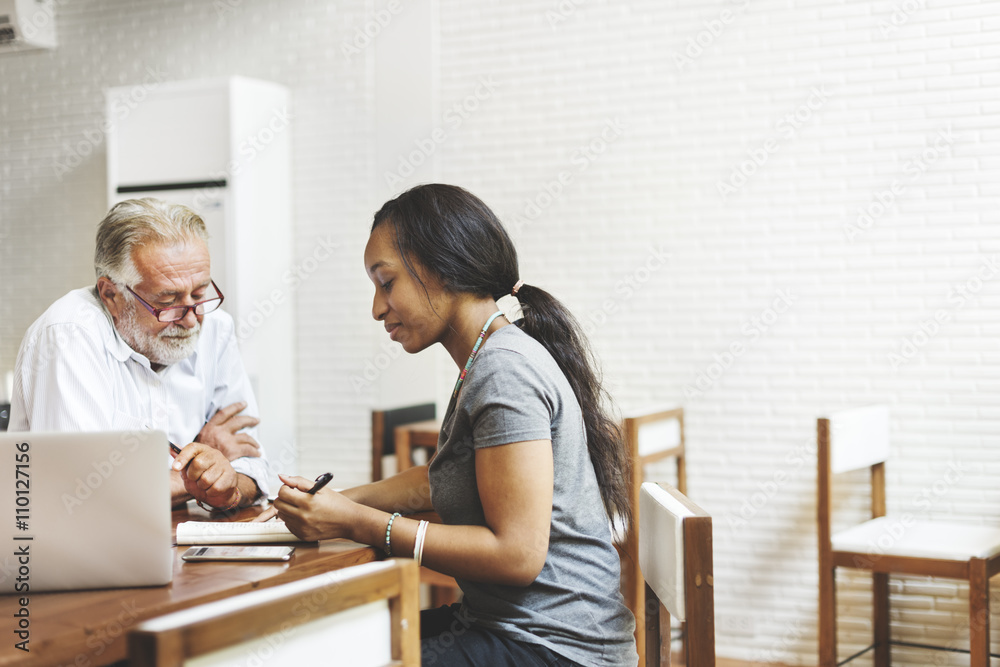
{"points": [[515, 392]]}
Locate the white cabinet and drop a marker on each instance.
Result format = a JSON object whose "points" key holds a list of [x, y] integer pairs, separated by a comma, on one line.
{"points": [[222, 147]]}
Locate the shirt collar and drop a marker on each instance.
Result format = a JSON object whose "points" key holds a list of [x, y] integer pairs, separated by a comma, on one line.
{"points": [[122, 351], [119, 349]]}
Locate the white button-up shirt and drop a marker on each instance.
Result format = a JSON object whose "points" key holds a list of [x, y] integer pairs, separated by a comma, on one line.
{"points": [[75, 373]]}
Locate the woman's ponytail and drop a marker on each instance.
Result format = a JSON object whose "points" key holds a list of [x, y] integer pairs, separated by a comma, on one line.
{"points": [[551, 324]]}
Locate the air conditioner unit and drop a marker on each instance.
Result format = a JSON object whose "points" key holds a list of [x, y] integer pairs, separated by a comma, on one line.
{"points": [[27, 24]]}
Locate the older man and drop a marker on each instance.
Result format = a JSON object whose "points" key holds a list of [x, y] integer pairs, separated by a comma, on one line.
{"points": [[146, 348]]}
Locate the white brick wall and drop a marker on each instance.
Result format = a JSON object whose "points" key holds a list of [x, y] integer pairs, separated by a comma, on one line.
{"points": [[603, 143]]}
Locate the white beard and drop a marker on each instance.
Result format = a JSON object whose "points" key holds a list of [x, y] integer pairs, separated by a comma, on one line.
{"points": [[173, 344]]}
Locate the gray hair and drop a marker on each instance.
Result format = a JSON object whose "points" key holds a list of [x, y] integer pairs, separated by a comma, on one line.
{"points": [[137, 222]]}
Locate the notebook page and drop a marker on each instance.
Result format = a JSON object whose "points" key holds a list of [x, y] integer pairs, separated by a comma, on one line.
{"points": [[233, 532]]}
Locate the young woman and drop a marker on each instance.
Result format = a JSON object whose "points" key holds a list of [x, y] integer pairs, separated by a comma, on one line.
{"points": [[530, 469]]}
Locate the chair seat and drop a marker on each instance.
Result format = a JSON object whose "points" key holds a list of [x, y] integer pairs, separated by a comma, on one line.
{"points": [[894, 536]]}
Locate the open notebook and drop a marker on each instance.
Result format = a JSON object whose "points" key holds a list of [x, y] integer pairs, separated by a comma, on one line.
{"points": [[228, 532]]}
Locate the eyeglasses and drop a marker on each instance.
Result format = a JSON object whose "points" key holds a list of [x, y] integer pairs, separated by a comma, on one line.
{"points": [[175, 313]]}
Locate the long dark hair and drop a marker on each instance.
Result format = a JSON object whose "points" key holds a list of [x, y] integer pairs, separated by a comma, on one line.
{"points": [[451, 233]]}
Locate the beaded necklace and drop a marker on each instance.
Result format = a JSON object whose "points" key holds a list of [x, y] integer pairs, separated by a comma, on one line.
{"points": [[475, 351]]}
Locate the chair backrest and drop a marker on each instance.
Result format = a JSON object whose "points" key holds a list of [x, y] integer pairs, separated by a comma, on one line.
{"points": [[675, 556], [849, 440], [859, 438], [657, 432], [651, 434], [366, 615], [384, 423]]}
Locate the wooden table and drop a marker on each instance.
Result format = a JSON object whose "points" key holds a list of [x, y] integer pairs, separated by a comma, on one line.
{"points": [[84, 628]]}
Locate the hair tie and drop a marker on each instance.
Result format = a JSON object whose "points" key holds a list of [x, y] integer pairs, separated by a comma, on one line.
{"points": [[517, 286]]}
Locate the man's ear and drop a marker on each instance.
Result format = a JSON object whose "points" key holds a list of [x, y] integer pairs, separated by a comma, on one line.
{"points": [[108, 291]]}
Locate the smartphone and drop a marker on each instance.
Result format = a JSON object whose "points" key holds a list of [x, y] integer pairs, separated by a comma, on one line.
{"points": [[238, 553]]}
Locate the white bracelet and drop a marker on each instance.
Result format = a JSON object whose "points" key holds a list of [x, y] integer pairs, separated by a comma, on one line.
{"points": [[418, 545]]}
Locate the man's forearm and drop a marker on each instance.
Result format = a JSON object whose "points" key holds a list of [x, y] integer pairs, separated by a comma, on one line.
{"points": [[249, 491]]}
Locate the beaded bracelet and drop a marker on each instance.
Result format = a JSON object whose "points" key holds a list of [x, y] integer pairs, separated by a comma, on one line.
{"points": [[388, 533]]}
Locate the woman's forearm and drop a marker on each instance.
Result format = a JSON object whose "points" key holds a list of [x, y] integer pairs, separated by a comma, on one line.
{"points": [[406, 493], [476, 553]]}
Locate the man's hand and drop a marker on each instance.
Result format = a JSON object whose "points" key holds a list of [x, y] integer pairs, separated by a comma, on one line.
{"points": [[224, 432], [207, 475]]}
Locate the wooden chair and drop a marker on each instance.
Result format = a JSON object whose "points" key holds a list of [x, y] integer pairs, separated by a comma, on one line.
{"points": [[651, 435], [859, 438], [399, 432], [384, 425], [422, 435], [363, 615], [675, 554]]}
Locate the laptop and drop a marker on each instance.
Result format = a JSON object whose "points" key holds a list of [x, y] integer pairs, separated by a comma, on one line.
{"points": [[84, 510]]}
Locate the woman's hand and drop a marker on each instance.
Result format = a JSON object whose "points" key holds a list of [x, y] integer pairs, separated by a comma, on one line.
{"points": [[322, 516]]}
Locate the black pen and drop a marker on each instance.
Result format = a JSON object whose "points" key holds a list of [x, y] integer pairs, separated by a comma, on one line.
{"points": [[176, 450], [321, 481]]}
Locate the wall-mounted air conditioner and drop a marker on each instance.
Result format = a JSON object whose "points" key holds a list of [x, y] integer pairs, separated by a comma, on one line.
{"points": [[27, 24]]}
